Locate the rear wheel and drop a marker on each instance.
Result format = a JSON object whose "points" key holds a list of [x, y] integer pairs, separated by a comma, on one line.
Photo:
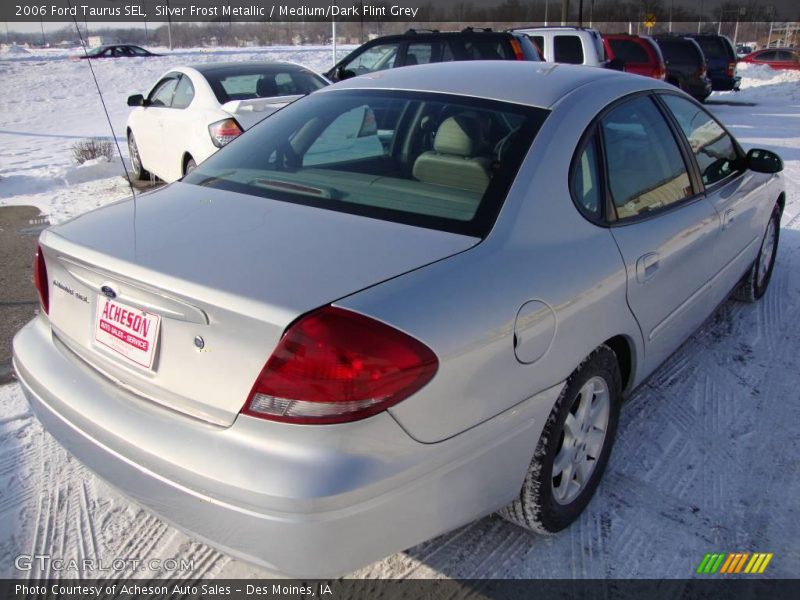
{"points": [[574, 448], [755, 282], [139, 172]]}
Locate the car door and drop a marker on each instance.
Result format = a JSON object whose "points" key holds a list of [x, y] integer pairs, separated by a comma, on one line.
{"points": [[664, 228], [735, 192], [178, 126], [149, 133]]}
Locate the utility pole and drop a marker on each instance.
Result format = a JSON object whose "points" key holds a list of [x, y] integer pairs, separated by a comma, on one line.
{"points": [[564, 11], [333, 34], [169, 26]]}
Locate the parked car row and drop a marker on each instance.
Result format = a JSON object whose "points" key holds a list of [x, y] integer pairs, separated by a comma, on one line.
{"points": [[192, 111], [401, 303], [696, 63]]}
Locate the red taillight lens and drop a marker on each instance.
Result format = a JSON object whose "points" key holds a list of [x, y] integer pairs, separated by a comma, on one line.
{"points": [[334, 365], [40, 279], [224, 132], [731, 69]]}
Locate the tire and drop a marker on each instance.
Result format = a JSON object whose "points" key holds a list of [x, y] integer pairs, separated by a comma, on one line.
{"points": [[190, 166], [754, 283], [139, 173], [544, 504]]}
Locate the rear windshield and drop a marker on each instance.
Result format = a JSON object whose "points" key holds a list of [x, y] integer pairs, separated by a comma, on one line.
{"points": [[432, 160], [682, 52], [715, 47], [629, 51], [265, 82]]}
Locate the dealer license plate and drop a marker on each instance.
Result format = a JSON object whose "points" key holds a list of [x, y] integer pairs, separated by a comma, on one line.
{"points": [[131, 332]]}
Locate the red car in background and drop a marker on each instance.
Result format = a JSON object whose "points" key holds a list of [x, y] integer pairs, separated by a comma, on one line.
{"points": [[638, 54], [777, 58]]}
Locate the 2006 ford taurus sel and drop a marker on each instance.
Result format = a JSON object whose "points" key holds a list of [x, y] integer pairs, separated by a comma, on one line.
{"points": [[395, 306]]}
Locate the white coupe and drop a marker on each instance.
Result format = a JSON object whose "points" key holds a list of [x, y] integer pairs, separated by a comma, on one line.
{"points": [[193, 111]]}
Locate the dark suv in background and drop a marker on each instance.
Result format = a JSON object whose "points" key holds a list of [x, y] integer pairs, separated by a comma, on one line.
{"points": [[686, 65], [721, 59], [418, 47]]}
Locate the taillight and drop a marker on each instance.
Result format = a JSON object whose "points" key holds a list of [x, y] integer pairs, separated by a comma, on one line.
{"points": [[731, 69], [40, 279], [224, 132], [334, 365], [517, 48]]}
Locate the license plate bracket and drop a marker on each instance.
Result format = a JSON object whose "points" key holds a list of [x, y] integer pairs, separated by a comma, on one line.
{"points": [[128, 331]]}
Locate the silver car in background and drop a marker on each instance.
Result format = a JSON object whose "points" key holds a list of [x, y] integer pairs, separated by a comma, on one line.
{"points": [[395, 306]]}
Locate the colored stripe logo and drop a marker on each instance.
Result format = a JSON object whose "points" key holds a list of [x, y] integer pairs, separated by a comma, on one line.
{"points": [[734, 563]]}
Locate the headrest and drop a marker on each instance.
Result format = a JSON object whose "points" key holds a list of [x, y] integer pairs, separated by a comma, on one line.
{"points": [[457, 135], [266, 87]]}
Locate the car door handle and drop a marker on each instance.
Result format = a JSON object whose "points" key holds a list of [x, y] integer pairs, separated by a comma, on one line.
{"points": [[727, 219], [646, 266]]}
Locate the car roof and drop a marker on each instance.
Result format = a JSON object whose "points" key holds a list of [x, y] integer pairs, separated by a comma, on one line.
{"points": [[217, 68], [435, 33], [539, 84]]}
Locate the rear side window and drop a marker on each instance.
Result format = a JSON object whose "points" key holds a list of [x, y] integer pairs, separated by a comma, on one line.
{"points": [[420, 54], [539, 41], [712, 148], [645, 167], [485, 49], [629, 51], [586, 182], [431, 160], [568, 49]]}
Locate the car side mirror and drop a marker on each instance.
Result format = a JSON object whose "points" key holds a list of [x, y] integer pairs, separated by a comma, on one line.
{"points": [[764, 161], [617, 64], [136, 100]]}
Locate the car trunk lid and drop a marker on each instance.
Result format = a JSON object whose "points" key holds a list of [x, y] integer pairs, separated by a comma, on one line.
{"points": [[221, 274], [249, 112]]}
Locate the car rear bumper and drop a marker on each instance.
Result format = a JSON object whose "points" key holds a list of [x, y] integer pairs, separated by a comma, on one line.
{"points": [[697, 87], [304, 501], [725, 84]]}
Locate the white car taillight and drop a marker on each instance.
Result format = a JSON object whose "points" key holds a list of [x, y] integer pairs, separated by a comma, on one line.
{"points": [[223, 132]]}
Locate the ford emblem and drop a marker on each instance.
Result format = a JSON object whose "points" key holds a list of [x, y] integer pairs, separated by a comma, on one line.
{"points": [[108, 291]]}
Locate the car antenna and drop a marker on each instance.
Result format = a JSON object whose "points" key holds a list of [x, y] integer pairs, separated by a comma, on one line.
{"points": [[105, 109]]}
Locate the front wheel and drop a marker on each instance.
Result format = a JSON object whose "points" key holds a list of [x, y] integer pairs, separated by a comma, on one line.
{"points": [[191, 165], [574, 448], [755, 281], [139, 172]]}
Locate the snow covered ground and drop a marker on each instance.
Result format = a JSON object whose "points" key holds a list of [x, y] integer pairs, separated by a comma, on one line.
{"points": [[708, 451]]}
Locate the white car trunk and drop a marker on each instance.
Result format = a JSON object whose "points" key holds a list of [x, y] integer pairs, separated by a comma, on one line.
{"points": [[220, 275], [249, 112]]}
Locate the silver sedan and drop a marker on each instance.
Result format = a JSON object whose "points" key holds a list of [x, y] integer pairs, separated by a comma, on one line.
{"points": [[401, 303]]}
